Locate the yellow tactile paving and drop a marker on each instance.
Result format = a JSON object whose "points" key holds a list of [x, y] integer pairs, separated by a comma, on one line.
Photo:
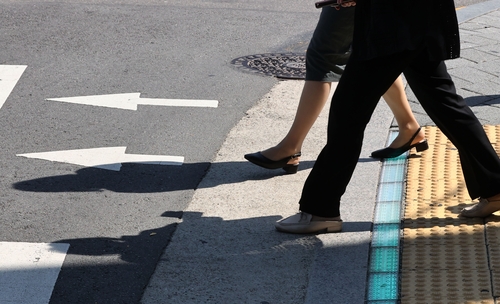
{"points": [[444, 287], [493, 242], [446, 259]]}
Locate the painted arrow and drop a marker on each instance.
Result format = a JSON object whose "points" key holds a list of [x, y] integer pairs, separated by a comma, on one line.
{"points": [[130, 101], [104, 158], [9, 75]]}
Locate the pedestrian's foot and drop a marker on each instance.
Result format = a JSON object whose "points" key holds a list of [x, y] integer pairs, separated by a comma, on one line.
{"points": [[288, 164], [390, 152], [304, 223], [484, 208]]}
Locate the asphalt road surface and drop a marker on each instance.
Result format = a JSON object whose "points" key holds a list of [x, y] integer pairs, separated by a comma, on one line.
{"points": [[117, 218]]}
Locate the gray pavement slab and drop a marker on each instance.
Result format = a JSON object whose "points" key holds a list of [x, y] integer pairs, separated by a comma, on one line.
{"points": [[225, 249]]}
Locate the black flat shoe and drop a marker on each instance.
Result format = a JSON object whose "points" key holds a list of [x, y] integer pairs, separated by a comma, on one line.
{"points": [[260, 160], [395, 152]]}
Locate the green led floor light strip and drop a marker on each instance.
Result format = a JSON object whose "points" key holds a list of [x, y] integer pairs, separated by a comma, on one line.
{"points": [[383, 270]]}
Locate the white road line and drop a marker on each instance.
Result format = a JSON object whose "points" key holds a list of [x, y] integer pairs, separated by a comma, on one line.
{"points": [[28, 271], [130, 101], [9, 75], [109, 158]]}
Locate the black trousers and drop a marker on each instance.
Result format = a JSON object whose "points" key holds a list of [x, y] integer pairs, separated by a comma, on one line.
{"points": [[357, 94]]}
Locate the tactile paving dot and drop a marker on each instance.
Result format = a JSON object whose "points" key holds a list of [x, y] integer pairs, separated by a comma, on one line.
{"points": [[445, 258]]}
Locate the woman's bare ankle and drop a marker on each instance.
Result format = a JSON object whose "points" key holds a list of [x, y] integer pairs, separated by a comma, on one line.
{"points": [[494, 198], [277, 153], [405, 134]]}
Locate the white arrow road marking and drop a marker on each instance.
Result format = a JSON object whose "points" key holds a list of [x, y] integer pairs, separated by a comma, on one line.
{"points": [[28, 271], [9, 75], [105, 158], [129, 101]]}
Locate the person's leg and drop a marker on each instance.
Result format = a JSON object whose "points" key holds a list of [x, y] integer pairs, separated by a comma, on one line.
{"points": [[312, 100], [395, 97], [436, 92], [328, 48], [356, 96]]}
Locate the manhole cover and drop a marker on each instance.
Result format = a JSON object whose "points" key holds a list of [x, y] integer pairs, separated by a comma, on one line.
{"points": [[289, 66]]}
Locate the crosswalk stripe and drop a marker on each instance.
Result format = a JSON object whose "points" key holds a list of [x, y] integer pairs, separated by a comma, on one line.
{"points": [[9, 75], [28, 271]]}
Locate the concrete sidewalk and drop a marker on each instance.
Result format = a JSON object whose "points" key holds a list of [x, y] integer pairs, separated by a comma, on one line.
{"points": [[225, 248]]}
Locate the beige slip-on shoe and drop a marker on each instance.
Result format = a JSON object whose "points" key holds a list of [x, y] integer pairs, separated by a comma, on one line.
{"points": [[303, 222], [481, 209]]}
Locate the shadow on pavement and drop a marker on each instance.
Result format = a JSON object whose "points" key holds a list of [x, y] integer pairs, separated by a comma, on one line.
{"points": [[482, 100], [139, 178], [121, 268]]}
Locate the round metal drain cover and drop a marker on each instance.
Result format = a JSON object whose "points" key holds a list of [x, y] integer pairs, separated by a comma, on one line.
{"points": [[289, 66]]}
